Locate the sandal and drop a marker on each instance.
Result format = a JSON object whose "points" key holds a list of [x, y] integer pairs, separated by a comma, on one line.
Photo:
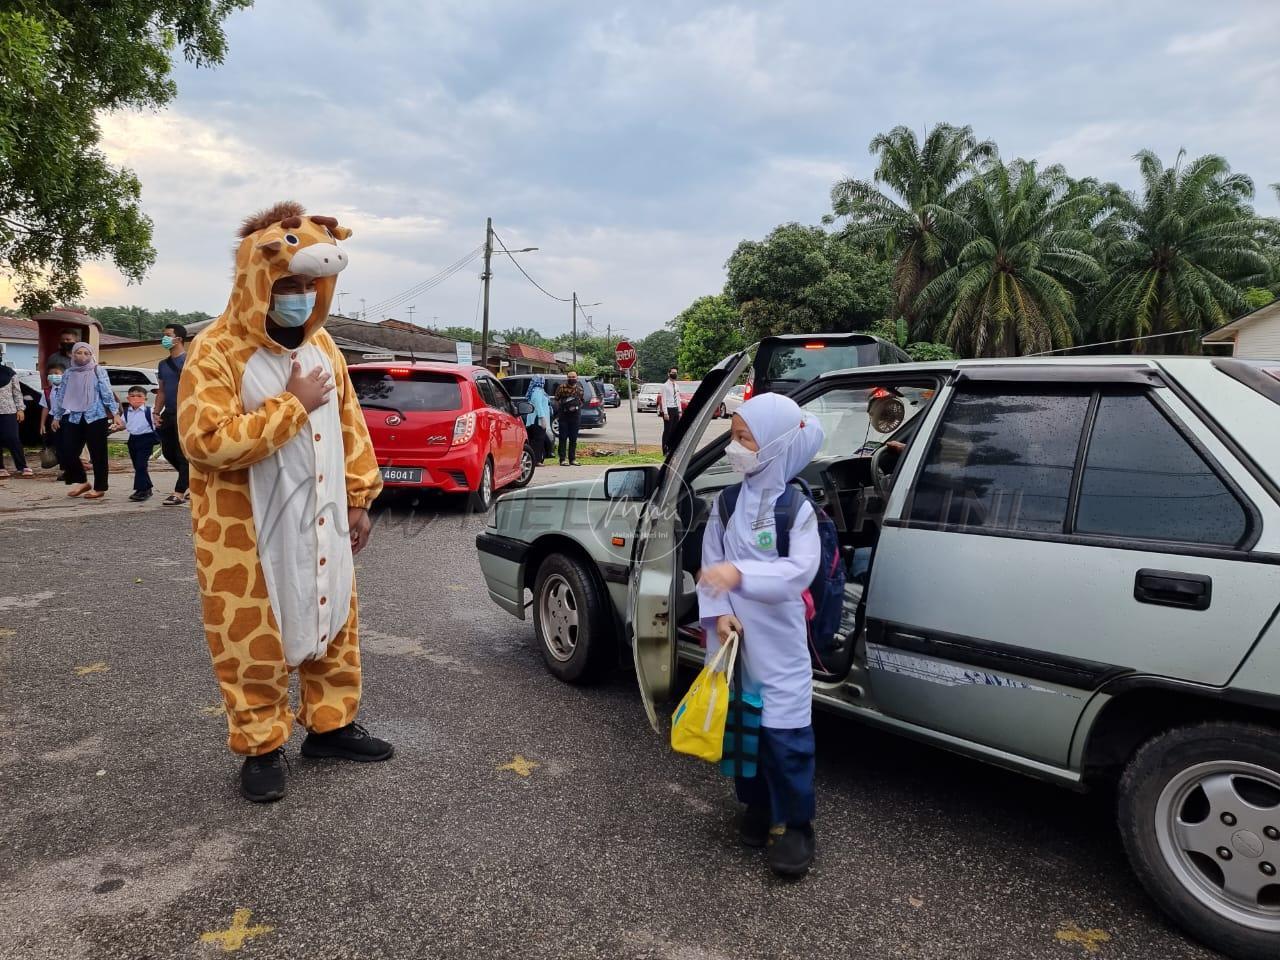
{"points": [[79, 489], [28, 472], [173, 500], [4, 474], [95, 495]]}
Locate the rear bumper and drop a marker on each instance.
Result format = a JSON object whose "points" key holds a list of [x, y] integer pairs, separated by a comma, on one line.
{"points": [[502, 563], [455, 472]]}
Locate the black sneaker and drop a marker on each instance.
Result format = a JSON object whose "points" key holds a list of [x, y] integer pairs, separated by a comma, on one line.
{"points": [[791, 850], [562, 463], [262, 779], [139, 495], [352, 742], [753, 827]]}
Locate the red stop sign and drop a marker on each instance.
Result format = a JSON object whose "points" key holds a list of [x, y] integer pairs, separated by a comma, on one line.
{"points": [[626, 355]]}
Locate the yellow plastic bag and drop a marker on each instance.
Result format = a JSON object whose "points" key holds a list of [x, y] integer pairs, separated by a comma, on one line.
{"points": [[697, 726]]}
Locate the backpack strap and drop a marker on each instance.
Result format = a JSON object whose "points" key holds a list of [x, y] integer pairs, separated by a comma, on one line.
{"points": [[727, 501], [784, 511]]}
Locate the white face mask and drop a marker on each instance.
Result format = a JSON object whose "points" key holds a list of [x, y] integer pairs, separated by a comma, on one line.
{"points": [[741, 460]]}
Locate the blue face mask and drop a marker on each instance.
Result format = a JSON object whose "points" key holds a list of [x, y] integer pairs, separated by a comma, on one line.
{"points": [[293, 309], [55, 378], [166, 342]]}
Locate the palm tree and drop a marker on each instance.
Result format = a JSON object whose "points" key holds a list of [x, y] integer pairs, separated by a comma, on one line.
{"points": [[900, 227], [1181, 252], [1024, 246]]}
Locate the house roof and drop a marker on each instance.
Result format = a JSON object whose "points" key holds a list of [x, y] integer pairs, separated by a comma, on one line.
{"points": [[1227, 332], [523, 351], [20, 328]]}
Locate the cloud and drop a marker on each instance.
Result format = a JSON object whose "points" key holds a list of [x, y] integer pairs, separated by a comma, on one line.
{"points": [[1211, 42]]}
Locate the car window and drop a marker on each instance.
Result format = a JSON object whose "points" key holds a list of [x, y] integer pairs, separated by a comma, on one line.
{"points": [[488, 392], [1143, 479], [501, 399], [406, 390], [801, 362], [1002, 461], [126, 378]]}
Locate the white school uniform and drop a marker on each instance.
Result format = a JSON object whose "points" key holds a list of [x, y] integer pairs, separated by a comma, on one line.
{"points": [[768, 601]]}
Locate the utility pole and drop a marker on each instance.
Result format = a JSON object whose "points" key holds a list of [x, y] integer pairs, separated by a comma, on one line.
{"points": [[364, 314], [411, 309], [575, 328], [486, 277]]}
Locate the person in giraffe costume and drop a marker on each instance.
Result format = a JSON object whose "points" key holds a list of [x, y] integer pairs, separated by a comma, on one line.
{"points": [[282, 476]]}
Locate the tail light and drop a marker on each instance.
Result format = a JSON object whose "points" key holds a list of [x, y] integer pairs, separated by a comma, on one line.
{"points": [[464, 428], [750, 387], [595, 402], [815, 346]]}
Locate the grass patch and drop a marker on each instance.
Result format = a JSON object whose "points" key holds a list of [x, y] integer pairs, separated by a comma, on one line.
{"points": [[621, 459]]}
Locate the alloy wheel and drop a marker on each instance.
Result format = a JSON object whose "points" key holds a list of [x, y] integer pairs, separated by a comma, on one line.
{"points": [[558, 614]]}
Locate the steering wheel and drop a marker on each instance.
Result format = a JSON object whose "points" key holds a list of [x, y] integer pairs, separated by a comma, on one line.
{"points": [[882, 475]]}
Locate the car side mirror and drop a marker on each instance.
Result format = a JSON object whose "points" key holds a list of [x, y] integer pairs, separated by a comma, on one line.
{"points": [[523, 407], [630, 483]]}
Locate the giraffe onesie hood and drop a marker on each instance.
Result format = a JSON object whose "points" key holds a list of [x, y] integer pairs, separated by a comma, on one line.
{"points": [[270, 488]]}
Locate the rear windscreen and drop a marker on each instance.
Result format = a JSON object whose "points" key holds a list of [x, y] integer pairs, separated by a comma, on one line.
{"points": [[418, 390], [799, 362]]}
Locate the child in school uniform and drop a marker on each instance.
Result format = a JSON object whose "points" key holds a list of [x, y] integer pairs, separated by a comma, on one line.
{"points": [[142, 440], [745, 587]]}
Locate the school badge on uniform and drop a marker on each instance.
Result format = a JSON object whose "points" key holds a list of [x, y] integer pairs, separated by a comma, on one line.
{"points": [[764, 539]]}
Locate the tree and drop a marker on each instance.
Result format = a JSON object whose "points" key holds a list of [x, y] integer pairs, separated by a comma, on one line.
{"points": [[1256, 297], [802, 279], [64, 63], [895, 331], [902, 227], [140, 323], [710, 329], [655, 355], [1022, 247], [1180, 252]]}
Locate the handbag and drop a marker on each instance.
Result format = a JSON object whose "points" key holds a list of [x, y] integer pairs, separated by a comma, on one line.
{"points": [[48, 458], [698, 724], [741, 755]]}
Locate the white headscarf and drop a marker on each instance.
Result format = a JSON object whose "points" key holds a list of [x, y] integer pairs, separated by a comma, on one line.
{"points": [[788, 439]]}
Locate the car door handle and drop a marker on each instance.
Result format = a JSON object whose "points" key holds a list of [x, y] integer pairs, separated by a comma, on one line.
{"points": [[1168, 588]]}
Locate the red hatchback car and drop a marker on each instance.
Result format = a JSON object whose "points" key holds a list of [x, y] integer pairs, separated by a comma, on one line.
{"points": [[444, 427]]}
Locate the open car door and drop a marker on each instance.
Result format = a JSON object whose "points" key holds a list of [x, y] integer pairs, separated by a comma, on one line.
{"points": [[655, 567]]}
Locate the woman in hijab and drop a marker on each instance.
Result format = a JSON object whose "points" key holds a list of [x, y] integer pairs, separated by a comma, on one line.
{"points": [[746, 587], [538, 423], [84, 409], [12, 408]]}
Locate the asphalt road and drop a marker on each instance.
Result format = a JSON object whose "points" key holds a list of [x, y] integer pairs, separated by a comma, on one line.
{"points": [[617, 429], [519, 818]]}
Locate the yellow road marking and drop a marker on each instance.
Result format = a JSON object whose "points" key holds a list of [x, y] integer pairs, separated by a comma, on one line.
{"points": [[233, 938], [99, 667], [216, 710], [6, 633], [521, 766], [1092, 940]]}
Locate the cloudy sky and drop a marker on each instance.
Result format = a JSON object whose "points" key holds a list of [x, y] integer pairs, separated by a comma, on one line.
{"points": [[636, 144]]}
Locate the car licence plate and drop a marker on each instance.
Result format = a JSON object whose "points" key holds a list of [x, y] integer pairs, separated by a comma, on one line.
{"points": [[402, 474]]}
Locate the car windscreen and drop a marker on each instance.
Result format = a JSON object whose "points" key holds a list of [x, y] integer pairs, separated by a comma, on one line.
{"points": [[405, 391], [801, 362]]}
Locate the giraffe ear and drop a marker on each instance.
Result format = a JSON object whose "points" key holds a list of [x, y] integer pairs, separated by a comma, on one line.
{"points": [[331, 224], [271, 247]]}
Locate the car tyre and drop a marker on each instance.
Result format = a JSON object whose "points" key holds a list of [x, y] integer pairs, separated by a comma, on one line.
{"points": [[528, 464], [481, 498], [571, 620], [1199, 813]]}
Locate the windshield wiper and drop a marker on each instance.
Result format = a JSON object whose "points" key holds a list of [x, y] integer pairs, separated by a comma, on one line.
{"points": [[374, 405]]}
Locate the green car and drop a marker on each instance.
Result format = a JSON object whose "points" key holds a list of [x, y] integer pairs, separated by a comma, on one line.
{"points": [[1069, 568]]}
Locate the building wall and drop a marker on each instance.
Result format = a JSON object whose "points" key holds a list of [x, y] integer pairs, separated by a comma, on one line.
{"points": [[146, 355], [1259, 339], [20, 354]]}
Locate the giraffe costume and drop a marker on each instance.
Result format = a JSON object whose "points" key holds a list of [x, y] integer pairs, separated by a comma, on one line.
{"points": [[270, 488]]}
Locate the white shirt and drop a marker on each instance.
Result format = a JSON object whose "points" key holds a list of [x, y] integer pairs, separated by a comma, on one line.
{"points": [[137, 422], [669, 395]]}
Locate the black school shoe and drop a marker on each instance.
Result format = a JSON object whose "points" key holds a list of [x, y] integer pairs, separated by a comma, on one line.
{"points": [[140, 495], [352, 742], [791, 850], [753, 827], [262, 778]]}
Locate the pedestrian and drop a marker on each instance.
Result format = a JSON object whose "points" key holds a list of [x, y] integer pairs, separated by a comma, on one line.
{"points": [[569, 400], [266, 412], [538, 423], [68, 337], [140, 426], [84, 407], [165, 412], [54, 369], [746, 587], [12, 411], [669, 409]]}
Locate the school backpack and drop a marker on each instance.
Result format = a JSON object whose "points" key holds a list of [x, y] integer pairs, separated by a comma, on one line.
{"points": [[824, 599]]}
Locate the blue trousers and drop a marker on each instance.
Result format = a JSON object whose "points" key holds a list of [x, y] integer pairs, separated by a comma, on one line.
{"points": [[784, 781], [140, 447]]}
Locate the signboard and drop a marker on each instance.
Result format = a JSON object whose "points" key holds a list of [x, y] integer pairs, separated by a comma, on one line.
{"points": [[377, 357], [626, 355], [464, 353]]}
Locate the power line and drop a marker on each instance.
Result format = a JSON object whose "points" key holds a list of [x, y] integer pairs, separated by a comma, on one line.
{"points": [[526, 272], [426, 285], [1105, 343]]}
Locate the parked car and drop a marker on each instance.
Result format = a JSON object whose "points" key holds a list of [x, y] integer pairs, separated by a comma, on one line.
{"points": [[593, 415], [734, 399], [784, 362], [122, 378], [647, 397], [609, 395], [687, 390], [1069, 568], [444, 427]]}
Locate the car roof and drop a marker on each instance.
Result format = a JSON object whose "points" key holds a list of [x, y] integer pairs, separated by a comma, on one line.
{"points": [[1171, 363], [426, 366], [812, 337]]}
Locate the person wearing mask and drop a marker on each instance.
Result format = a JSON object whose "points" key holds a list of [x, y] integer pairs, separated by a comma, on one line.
{"points": [[54, 369], [569, 401], [538, 423], [165, 412], [140, 426], [12, 410], [84, 407], [67, 341], [669, 409]]}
